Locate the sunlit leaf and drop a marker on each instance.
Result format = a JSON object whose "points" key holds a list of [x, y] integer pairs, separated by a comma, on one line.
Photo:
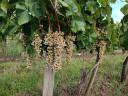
{"points": [[103, 2], [113, 1], [20, 6], [4, 5], [124, 9], [63, 3]]}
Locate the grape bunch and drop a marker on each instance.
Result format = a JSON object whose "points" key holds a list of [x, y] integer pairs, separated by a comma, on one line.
{"points": [[55, 42], [102, 45], [37, 44], [29, 61], [69, 47]]}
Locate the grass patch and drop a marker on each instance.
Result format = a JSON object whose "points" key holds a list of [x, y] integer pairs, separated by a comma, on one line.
{"points": [[17, 79]]}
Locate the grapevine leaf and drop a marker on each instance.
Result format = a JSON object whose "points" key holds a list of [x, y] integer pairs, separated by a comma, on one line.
{"points": [[35, 10], [103, 2], [2, 13], [23, 17], [113, 1], [12, 27], [4, 5], [34, 7], [20, 6], [77, 24], [124, 9], [64, 3], [72, 6]]}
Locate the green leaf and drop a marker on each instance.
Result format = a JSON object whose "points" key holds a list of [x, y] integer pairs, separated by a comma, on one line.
{"points": [[36, 10], [69, 13], [64, 3], [23, 17], [106, 11], [124, 9], [73, 7], [91, 6], [4, 5], [12, 27], [29, 3], [2, 13], [93, 35], [34, 7], [97, 13], [77, 24], [20, 6], [103, 2], [113, 1]]}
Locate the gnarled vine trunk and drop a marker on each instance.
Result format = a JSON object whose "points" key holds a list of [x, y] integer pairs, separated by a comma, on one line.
{"points": [[123, 74], [100, 53], [4, 45], [85, 86], [93, 75]]}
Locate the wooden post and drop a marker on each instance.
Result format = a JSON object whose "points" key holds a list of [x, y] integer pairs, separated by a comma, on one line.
{"points": [[48, 81], [83, 82]]}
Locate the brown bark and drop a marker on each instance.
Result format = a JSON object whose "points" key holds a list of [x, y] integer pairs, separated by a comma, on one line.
{"points": [[4, 46], [100, 52], [93, 75], [126, 80], [123, 74], [85, 85]]}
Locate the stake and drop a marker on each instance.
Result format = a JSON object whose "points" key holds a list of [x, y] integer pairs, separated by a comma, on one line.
{"points": [[48, 81]]}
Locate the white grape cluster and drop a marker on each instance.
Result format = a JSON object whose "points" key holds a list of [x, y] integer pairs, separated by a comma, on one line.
{"points": [[102, 46], [69, 47], [29, 61], [37, 44], [56, 43]]}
